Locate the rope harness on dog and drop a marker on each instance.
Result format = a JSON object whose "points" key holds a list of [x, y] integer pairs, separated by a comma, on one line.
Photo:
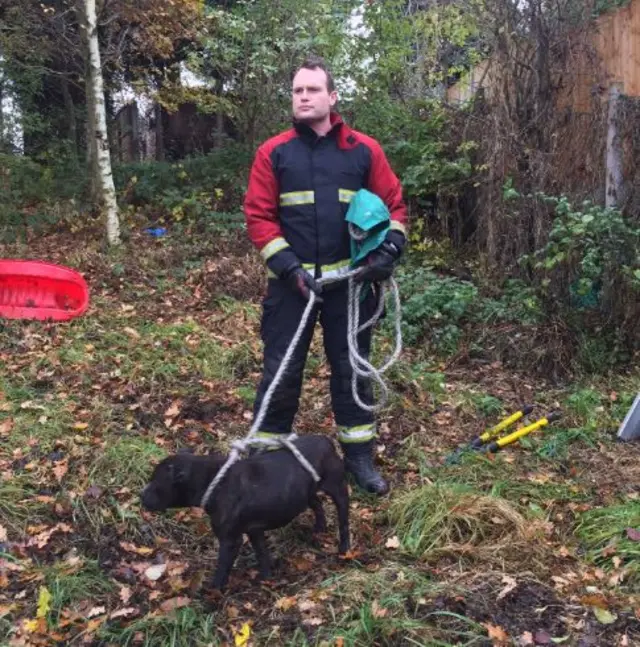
{"points": [[361, 368]]}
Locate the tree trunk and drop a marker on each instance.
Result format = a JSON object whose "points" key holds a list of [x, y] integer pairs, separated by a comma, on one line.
{"points": [[613, 196], [218, 136], [159, 132], [72, 123], [95, 90], [2, 133]]}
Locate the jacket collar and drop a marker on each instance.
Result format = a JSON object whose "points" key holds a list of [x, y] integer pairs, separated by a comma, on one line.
{"points": [[306, 132]]}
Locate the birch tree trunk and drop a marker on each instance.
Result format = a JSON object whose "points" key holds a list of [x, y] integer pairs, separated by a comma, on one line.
{"points": [[95, 90]]}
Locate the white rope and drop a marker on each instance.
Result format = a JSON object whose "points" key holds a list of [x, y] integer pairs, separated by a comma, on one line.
{"points": [[360, 368]]}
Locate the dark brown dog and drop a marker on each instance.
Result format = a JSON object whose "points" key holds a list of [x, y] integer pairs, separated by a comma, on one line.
{"points": [[261, 492]]}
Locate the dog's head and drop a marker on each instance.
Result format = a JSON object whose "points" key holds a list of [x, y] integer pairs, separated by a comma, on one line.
{"points": [[170, 485]]}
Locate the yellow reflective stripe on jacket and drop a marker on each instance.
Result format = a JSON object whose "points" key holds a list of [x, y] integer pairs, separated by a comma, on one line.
{"points": [[335, 269], [398, 226], [345, 195], [297, 197], [327, 271], [276, 245]]}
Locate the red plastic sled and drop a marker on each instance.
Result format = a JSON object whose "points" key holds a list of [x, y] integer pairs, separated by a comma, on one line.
{"points": [[39, 290]]}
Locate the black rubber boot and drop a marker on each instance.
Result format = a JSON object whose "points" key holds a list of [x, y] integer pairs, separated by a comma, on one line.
{"points": [[358, 460]]}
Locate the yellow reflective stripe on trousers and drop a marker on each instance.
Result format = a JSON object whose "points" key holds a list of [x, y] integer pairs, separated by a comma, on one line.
{"points": [[276, 245], [297, 197], [360, 434], [345, 195]]}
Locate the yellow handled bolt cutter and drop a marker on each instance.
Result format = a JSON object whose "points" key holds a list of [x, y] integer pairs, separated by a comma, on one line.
{"points": [[488, 442]]}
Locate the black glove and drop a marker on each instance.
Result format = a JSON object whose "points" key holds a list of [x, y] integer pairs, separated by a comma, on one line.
{"points": [[302, 282], [380, 263]]}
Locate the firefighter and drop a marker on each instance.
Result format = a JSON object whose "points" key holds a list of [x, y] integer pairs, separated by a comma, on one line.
{"points": [[300, 185]]}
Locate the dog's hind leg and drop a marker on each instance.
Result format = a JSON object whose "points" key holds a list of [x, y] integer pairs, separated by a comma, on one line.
{"points": [[259, 544], [320, 524], [336, 487], [229, 548]]}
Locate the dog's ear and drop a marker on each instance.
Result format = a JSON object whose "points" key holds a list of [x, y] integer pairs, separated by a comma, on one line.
{"points": [[179, 468]]}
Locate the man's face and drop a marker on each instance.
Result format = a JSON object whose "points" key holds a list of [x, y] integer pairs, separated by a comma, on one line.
{"points": [[312, 101]]}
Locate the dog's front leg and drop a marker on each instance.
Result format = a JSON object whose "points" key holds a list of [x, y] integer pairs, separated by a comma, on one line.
{"points": [[229, 548], [259, 544]]}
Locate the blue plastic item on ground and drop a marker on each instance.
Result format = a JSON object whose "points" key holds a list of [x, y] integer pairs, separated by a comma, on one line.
{"points": [[157, 232]]}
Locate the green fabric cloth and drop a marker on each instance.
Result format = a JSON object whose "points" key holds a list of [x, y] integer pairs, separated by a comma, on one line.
{"points": [[367, 215]]}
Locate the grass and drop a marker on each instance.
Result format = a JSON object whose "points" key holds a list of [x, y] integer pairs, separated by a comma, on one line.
{"points": [[388, 605], [69, 586], [130, 455], [444, 520], [185, 627], [98, 392], [607, 535]]}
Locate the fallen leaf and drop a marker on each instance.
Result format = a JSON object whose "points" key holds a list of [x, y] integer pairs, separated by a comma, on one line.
{"points": [[595, 600], [284, 604], [6, 609], [6, 426], [339, 641], [242, 637], [173, 410], [542, 638], [44, 602], [155, 572], [125, 594], [124, 613], [392, 543], [633, 534], [93, 491], [302, 564], [81, 426], [350, 555], [41, 539], [38, 625], [96, 611], [377, 610], [132, 332], [175, 603], [307, 605], [60, 469], [510, 584], [496, 633], [525, 639], [604, 616], [313, 622], [3, 534], [138, 550]]}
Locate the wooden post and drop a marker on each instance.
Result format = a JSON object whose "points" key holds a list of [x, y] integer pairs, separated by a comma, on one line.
{"points": [[613, 195]]}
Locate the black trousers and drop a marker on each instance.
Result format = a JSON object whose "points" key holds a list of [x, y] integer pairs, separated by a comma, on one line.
{"points": [[282, 310]]}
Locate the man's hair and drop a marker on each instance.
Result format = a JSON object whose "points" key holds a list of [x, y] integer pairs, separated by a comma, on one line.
{"points": [[316, 63]]}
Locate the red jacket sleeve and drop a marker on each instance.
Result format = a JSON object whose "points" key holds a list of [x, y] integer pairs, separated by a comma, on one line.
{"points": [[261, 202], [384, 183], [261, 215]]}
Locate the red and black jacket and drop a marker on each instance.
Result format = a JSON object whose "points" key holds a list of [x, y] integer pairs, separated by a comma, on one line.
{"points": [[299, 191]]}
